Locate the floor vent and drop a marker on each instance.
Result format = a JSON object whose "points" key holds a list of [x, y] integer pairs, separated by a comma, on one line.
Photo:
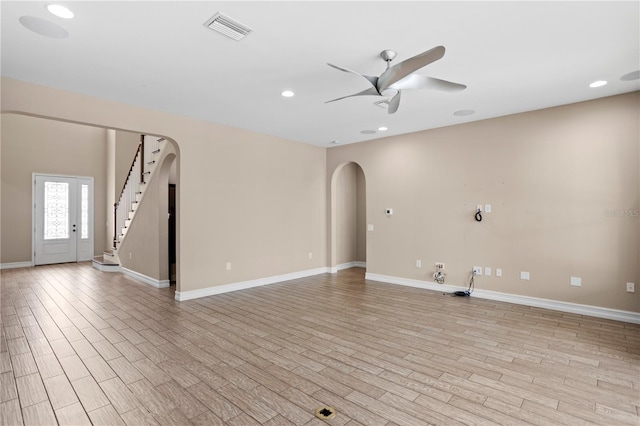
{"points": [[325, 412], [227, 26]]}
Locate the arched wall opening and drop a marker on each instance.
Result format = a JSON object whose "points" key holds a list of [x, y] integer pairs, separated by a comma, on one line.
{"points": [[348, 217], [38, 134]]}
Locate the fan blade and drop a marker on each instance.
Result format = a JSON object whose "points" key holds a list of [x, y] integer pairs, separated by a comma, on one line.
{"points": [[371, 79], [416, 81], [371, 91], [401, 70], [394, 103]]}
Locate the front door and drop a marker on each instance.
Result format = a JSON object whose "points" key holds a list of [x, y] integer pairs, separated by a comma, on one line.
{"points": [[63, 214]]}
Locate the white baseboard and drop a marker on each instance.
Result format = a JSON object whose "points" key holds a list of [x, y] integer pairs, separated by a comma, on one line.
{"points": [[348, 265], [13, 265], [243, 285], [145, 279], [556, 305]]}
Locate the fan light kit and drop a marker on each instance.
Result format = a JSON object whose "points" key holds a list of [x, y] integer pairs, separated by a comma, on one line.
{"points": [[401, 77]]}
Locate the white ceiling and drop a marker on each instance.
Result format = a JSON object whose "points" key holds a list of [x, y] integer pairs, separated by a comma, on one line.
{"points": [[513, 56]]}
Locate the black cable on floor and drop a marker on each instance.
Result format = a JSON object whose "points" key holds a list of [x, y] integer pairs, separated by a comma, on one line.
{"points": [[468, 291]]}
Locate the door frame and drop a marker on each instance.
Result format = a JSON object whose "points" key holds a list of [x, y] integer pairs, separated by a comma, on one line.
{"points": [[91, 212]]}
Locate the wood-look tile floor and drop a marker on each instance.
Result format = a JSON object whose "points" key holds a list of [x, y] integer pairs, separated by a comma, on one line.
{"points": [[79, 346]]}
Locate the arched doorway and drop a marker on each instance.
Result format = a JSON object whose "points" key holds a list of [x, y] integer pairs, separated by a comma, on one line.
{"points": [[348, 217]]}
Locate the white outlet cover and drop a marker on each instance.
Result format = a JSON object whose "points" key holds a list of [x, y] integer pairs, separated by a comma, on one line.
{"points": [[631, 287], [524, 276], [498, 272], [369, 227], [487, 208], [418, 263], [477, 270], [576, 281], [487, 271]]}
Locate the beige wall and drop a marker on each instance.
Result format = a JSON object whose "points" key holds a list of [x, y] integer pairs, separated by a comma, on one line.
{"points": [[552, 177], [255, 201], [559, 180], [34, 145]]}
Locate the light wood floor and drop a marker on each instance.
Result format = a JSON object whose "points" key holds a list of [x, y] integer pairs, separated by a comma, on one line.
{"points": [[79, 346]]}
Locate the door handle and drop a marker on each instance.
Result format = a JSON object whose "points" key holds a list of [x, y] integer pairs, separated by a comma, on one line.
{"points": [[74, 228]]}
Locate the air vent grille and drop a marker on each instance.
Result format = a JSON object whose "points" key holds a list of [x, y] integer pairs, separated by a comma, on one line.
{"points": [[227, 26]]}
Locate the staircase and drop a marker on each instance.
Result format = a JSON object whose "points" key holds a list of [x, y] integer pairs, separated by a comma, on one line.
{"points": [[124, 210]]}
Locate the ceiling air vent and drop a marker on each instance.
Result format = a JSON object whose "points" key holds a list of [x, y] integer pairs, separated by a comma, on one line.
{"points": [[227, 26]]}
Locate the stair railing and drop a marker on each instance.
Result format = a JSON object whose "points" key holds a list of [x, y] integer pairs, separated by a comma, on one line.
{"points": [[129, 194]]}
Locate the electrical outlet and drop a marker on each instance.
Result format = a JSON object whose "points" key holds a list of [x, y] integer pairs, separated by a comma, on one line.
{"points": [[439, 265], [310, 255], [487, 271], [477, 270], [228, 266], [524, 276], [576, 281], [418, 263], [498, 272], [631, 288], [129, 255]]}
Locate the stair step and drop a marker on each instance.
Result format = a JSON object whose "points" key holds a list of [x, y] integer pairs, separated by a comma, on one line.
{"points": [[155, 151], [105, 260], [151, 162], [104, 264]]}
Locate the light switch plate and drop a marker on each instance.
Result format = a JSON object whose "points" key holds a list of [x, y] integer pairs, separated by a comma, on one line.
{"points": [[524, 276]]}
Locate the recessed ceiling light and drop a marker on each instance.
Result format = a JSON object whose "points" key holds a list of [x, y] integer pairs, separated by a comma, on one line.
{"points": [[43, 27], [383, 129], [464, 112], [598, 83], [60, 11], [287, 93], [633, 75]]}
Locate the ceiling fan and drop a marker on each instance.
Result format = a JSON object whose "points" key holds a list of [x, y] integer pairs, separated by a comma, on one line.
{"points": [[401, 77]]}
